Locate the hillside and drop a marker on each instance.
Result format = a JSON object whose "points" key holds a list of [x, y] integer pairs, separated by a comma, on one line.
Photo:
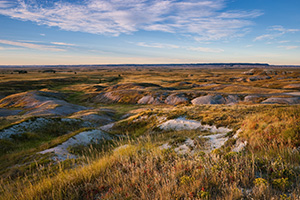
{"points": [[147, 132]]}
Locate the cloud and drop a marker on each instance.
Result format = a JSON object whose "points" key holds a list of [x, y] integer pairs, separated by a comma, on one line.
{"points": [[5, 4], [283, 41], [266, 37], [171, 46], [62, 44], [31, 45], [288, 47], [205, 49], [8, 48], [282, 29], [275, 32], [205, 19], [158, 45]]}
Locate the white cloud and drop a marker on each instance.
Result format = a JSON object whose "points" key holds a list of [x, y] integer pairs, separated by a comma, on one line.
{"points": [[288, 47], [265, 37], [205, 49], [157, 45], [62, 44], [31, 45], [5, 4], [275, 32], [283, 30], [171, 46], [42, 34], [283, 41], [241, 14], [205, 19]]}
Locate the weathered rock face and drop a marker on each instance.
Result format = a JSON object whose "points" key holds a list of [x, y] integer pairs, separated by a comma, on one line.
{"points": [[6, 112], [175, 99], [241, 80], [250, 72], [95, 116], [149, 100], [252, 98], [120, 96], [146, 100], [39, 103], [209, 99], [282, 100], [131, 86], [293, 86], [257, 78], [270, 72], [107, 97], [232, 99]]}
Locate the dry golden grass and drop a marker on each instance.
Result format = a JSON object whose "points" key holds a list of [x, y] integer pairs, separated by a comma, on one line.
{"points": [[267, 169]]}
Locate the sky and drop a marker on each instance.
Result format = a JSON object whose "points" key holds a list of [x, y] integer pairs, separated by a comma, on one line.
{"points": [[52, 32]]}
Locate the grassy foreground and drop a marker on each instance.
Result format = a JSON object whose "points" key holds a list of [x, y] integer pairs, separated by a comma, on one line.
{"points": [[268, 168]]}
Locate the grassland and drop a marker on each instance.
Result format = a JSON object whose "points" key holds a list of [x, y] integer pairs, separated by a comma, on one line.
{"points": [[134, 165]]}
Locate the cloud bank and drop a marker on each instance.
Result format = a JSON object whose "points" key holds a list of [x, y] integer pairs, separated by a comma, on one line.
{"points": [[205, 20]]}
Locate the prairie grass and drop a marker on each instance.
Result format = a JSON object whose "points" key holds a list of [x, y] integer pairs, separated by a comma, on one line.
{"points": [[134, 167], [140, 170]]}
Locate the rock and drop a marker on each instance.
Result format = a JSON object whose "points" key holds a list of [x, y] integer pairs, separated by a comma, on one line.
{"points": [[258, 78], [40, 103], [32, 125], [282, 100], [6, 112], [241, 80], [270, 72], [248, 73], [232, 99], [119, 96], [281, 78], [175, 99], [84, 138], [131, 86], [209, 99], [96, 116], [252, 98], [106, 97], [292, 86], [149, 99], [146, 100]]}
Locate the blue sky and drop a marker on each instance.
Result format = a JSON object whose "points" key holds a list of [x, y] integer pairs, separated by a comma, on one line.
{"points": [[149, 31]]}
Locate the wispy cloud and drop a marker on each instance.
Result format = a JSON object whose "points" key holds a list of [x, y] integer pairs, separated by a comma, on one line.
{"points": [[157, 45], [9, 48], [205, 49], [171, 46], [275, 32], [288, 47], [204, 19], [5, 4], [31, 45], [62, 44], [283, 30], [266, 37], [283, 41]]}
